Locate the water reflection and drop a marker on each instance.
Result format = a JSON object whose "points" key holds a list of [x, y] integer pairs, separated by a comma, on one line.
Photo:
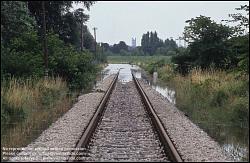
{"points": [[166, 92], [125, 76], [125, 71], [233, 139]]}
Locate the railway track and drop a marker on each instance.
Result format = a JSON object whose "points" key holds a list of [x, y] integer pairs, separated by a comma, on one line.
{"points": [[125, 127]]}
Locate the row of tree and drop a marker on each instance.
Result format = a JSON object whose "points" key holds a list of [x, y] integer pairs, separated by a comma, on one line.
{"points": [[116, 48], [215, 44], [151, 44], [30, 29]]}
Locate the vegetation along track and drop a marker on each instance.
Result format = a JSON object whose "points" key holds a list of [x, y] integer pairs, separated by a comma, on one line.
{"points": [[125, 128]]}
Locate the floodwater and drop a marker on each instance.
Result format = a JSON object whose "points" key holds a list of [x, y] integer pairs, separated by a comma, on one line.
{"points": [[233, 139], [125, 71], [126, 76]]}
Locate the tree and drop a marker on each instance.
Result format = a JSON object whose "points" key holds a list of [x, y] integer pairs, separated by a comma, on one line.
{"points": [[81, 18], [207, 42], [120, 46], [150, 42], [88, 39], [243, 20], [240, 42], [55, 11], [15, 20], [145, 44], [20, 48], [71, 32], [105, 46]]}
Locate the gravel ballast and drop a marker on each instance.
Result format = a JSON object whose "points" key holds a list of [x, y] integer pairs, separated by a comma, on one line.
{"points": [[192, 143], [66, 131], [125, 132]]}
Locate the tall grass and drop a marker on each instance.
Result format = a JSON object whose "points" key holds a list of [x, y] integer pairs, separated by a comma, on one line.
{"points": [[213, 96], [30, 106]]}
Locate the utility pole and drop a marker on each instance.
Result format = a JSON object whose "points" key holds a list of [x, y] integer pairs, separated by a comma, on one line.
{"points": [[95, 41], [45, 47]]}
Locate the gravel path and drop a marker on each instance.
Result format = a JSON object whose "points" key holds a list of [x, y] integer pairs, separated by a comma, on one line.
{"points": [[192, 142], [125, 132], [66, 131]]}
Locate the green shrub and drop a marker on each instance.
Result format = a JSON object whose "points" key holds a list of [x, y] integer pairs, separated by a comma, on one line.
{"points": [[19, 60], [74, 66], [23, 56]]}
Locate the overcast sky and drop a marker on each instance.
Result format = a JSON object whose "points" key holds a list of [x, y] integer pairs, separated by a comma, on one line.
{"points": [[116, 21]]}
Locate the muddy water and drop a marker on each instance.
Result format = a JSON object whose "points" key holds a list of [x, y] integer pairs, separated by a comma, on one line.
{"points": [[233, 139]]}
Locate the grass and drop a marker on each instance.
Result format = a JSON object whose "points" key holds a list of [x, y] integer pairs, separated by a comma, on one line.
{"points": [[212, 96], [139, 60], [29, 106], [218, 102]]}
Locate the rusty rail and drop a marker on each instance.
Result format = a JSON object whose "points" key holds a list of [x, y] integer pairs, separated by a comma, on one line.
{"points": [[165, 140], [82, 143]]}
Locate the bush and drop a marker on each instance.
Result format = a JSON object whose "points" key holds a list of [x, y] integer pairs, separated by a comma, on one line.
{"points": [[75, 67], [23, 56]]}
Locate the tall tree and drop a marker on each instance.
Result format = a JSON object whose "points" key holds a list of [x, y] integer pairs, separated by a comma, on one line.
{"points": [[240, 41], [150, 42], [15, 20], [207, 41], [120, 46], [81, 18], [243, 20], [55, 10]]}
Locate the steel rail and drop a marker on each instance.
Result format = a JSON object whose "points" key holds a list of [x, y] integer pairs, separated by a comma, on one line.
{"points": [[164, 138], [82, 143]]}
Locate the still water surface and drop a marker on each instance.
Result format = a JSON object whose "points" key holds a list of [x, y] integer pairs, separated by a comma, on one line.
{"points": [[233, 139]]}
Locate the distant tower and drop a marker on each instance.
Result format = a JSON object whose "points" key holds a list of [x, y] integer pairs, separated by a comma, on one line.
{"points": [[133, 42]]}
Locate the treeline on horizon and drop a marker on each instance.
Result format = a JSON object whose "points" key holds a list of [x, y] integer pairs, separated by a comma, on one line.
{"points": [[151, 44]]}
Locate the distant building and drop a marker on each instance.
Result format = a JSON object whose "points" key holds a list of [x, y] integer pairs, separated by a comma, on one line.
{"points": [[133, 42]]}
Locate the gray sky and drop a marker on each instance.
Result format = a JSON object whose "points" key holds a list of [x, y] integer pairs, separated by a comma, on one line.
{"points": [[122, 20]]}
